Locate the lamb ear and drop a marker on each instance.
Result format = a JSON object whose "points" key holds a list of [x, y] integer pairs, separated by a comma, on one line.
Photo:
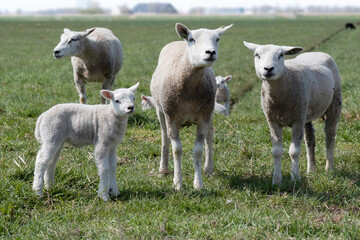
{"points": [[133, 88], [107, 94], [182, 30], [88, 31], [251, 46], [221, 30], [292, 50], [227, 78], [66, 30], [144, 98]]}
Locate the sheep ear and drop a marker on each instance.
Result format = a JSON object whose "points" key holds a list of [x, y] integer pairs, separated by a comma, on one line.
{"points": [[227, 78], [133, 88], [182, 30], [107, 94], [66, 30], [88, 31], [221, 30], [144, 98], [251, 46], [292, 50]]}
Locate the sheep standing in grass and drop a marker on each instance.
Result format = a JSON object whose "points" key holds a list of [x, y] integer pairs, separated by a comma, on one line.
{"points": [[148, 102], [103, 126], [294, 93], [183, 86], [223, 92], [97, 56]]}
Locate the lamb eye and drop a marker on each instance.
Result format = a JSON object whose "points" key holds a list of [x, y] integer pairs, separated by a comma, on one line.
{"points": [[218, 39], [281, 55], [191, 40], [117, 101], [257, 55]]}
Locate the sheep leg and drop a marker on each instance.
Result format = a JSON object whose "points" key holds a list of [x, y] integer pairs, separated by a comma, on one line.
{"points": [[43, 159], [332, 118], [101, 157], [277, 151], [227, 106], [174, 135], [310, 147], [107, 84], [294, 150], [50, 170], [113, 188], [165, 143], [209, 164], [202, 132], [80, 87]]}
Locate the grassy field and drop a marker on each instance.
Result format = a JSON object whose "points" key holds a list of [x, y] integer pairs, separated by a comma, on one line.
{"points": [[238, 202]]}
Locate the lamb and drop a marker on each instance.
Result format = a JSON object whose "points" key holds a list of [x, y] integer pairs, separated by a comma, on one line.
{"points": [[148, 102], [223, 92], [103, 126], [183, 86], [294, 93], [96, 56]]}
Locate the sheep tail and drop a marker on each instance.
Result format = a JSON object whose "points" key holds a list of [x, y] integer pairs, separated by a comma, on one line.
{"points": [[37, 129]]}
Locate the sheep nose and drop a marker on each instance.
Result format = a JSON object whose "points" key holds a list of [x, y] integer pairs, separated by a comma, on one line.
{"points": [[56, 52], [131, 108], [269, 69], [212, 53]]}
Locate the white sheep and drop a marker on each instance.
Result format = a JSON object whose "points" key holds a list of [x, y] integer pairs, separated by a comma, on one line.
{"points": [[183, 86], [103, 126], [96, 56], [223, 92], [148, 102], [294, 93]]}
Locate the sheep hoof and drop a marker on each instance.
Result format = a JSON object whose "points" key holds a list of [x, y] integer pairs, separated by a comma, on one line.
{"points": [[114, 192], [40, 193], [198, 185], [105, 198], [329, 168], [295, 177], [209, 171], [277, 180]]}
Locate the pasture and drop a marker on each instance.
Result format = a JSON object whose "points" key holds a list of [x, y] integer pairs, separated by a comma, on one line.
{"points": [[238, 202]]}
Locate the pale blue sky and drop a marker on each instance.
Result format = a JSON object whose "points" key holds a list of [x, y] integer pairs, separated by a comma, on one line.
{"points": [[182, 5]]}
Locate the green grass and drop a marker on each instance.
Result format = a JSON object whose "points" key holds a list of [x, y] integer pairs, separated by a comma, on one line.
{"points": [[238, 202]]}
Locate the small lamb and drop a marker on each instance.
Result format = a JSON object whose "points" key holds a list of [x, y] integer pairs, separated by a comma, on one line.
{"points": [[223, 92], [103, 126], [148, 102], [294, 93], [96, 56], [183, 86]]}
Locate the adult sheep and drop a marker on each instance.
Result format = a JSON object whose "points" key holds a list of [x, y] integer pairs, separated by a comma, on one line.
{"points": [[294, 93], [183, 86], [96, 56]]}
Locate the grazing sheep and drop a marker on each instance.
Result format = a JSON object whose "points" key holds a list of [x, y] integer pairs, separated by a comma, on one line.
{"points": [[350, 26], [148, 102], [294, 93], [223, 92], [183, 86], [103, 126], [96, 56]]}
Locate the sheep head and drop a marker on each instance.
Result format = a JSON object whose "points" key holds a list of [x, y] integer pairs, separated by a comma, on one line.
{"points": [[202, 44], [122, 100], [70, 43], [220, 81], [269, 59]]}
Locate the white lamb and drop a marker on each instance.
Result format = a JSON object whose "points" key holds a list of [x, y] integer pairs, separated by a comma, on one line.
{"points": [[97, 56], [223, 92], [183, 86], [148, 102], [294, 93], [103, 126]]}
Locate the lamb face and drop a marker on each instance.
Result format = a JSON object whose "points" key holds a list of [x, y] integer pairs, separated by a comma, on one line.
{"points": [[269, 59], [221, 81], [202, 44], [70, 43], [122, 100]]}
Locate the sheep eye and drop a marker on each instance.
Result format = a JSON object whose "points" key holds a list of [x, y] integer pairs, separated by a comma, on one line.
{"points": [[117, 101], [281, 55], [191, 40], [257, 55], [72, 40], [218, 39]]}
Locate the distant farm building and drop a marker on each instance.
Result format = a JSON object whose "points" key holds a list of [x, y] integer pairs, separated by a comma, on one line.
{"points": [[154, 8]]}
